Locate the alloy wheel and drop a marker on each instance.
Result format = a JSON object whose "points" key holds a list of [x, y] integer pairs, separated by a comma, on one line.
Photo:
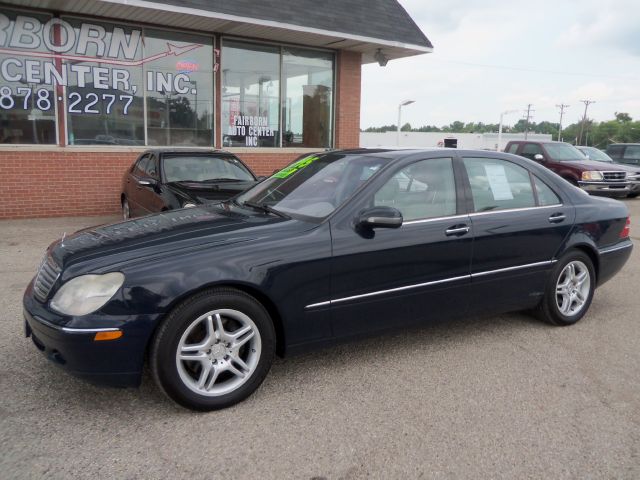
{"points": [[218, 352], [572, 288]]}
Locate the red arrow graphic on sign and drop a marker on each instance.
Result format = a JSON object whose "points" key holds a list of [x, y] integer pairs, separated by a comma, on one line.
{"points": [[171, 50]]}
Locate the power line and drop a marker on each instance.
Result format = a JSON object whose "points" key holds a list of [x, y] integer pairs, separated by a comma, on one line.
{"points": [[562, 106], [535, 70], [584, 117]]}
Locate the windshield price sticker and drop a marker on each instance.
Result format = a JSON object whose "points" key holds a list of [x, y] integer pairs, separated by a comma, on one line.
{"points": [[497, 177], [299, 165]]}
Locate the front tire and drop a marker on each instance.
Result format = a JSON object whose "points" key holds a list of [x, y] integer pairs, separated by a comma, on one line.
{"points": [[569, 290], [126, 210], [213, 350]]}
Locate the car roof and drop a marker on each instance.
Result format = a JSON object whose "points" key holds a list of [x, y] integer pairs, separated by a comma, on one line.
{"points": [[160, 150]]}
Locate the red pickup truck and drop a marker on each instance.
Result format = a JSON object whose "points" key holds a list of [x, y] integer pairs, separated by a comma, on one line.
{"points": [[568, 162]]}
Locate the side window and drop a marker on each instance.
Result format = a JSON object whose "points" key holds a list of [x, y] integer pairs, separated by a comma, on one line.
{"points": [[513, 148], [498, 184], [150, 169], [632, 151], [615, 151], [425, 189], [141, 166], [530, 150], [546, 196]]}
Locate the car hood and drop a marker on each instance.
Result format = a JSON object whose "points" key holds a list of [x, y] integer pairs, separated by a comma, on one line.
{"points": [[210, 191], [167, 233], [586, 164]]}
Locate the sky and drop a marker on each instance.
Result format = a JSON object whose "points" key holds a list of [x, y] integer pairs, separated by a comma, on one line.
{"points": [[491, 56]]}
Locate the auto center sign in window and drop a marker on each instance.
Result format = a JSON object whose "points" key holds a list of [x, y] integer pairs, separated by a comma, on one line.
{"points": [[107, 78]]}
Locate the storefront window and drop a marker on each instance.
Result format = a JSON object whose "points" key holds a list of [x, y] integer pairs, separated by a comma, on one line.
{"points": [[27, 99], [250, 95], [179, 88], [308, 98], [104, 99], [259, 101]]}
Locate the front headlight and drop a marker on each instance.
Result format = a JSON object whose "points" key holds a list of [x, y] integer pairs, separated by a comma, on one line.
{"points": [[86, 293], [188, 205], [592, 175]]}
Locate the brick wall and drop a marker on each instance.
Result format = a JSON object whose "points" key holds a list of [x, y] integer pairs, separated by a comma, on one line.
{"points": [[64, 183], [348, 99]]}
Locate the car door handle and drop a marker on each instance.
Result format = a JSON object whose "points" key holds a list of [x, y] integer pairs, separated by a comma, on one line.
{"points": [[457, 230], [557, 218]]}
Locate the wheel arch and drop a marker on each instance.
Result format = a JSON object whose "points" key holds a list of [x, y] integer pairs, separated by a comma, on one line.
{"points": [[251, 290], [589, 250]]}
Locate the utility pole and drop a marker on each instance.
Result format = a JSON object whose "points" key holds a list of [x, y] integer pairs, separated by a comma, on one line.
{"points": [[562, 106], [527, 118], [584, 118]]}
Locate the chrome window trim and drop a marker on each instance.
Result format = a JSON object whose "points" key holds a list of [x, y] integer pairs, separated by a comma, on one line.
{"points": [[427, 284], [73, 330], [615, 248], [434, 219], [509, 210]]}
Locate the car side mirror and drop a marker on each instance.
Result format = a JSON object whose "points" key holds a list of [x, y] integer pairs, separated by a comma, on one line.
{"points": [[147, 182], [538, 157], [379, 217]]}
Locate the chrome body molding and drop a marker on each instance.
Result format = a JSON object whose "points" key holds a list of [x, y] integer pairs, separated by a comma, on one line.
{"points": [[517, 267], [428, 284], [615, 248]]}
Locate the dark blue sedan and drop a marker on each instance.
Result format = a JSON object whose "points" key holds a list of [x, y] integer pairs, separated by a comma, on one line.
{"points": [[335, 246]]}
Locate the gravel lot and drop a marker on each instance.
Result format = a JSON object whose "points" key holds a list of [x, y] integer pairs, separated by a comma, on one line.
{"points": [[479, 397]]}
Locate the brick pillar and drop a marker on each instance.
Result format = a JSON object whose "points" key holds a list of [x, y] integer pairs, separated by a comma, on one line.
{"points": [[347, 133]]}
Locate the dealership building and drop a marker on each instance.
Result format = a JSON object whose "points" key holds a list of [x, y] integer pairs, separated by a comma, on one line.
{"points": [[86, 85]]}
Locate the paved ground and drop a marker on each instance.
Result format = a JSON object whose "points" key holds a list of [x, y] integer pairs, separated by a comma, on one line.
{"points": [[480, 397]]}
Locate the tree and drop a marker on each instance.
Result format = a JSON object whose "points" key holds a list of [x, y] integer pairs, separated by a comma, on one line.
{"points": [[623, 117], [406, 127]]}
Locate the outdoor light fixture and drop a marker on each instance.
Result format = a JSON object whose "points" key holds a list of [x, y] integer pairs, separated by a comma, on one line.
{"points": [[381, 58]]}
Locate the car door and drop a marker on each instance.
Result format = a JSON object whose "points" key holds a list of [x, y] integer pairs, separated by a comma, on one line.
{"points": [[145, 179], [133, 189], [391, 277], [519, 223]]}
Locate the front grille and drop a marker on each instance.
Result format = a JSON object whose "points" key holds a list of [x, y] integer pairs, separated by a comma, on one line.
{"points": [[615, 176], [48, 273]]}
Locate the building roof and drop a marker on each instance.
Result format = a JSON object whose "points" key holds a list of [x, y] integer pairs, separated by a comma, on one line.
{"points": [[359, 25]]}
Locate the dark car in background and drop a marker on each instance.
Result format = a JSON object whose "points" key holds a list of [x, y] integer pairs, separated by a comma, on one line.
{"points": [[628, 153], [167, 179], [597, 177], [335, 246]]}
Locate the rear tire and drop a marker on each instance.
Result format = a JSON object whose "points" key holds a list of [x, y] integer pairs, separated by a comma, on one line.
{"points": [[569, 290], [213, 350]]}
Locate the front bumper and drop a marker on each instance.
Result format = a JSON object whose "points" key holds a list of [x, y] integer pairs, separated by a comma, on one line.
{"points": [[116, 363], [620, 189]]}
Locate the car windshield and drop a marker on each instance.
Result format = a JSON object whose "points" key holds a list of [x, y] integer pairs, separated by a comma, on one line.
{"points": [[563, 151], [203, 168], [593, 153], [313, 186]]}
